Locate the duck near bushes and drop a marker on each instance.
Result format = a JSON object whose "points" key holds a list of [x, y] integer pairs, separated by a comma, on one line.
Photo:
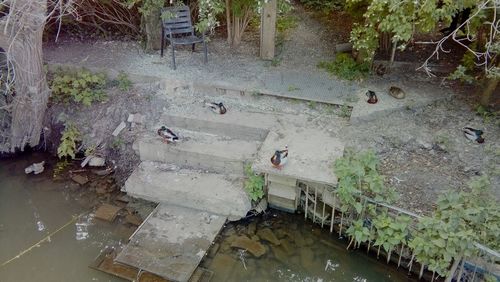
{"points": [[168, 135], [372, 97], [217, 108], [280, 158], [473, 134]]}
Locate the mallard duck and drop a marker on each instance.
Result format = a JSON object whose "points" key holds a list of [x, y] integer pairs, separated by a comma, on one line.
{"points": [[372, 97], [280, 158], [397, 92], [217, 108], [167, 135], [474, 134]]}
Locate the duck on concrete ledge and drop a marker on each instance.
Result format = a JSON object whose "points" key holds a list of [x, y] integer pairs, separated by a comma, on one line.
{"points": [[168, 135], [217, 108], [280, 158]]}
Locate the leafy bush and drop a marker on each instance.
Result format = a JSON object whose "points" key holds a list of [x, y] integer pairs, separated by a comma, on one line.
{"points": [[345, 67], [80, 87], [254, 184], [124, 82], [323, 5], [69, 138]]}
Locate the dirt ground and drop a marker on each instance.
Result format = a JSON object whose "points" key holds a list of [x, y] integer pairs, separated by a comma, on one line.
{"points": [[423, 151]]}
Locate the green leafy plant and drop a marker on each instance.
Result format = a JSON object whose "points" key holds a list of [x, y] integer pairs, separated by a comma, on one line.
{"points": [[80, 87], [345, 111], [254, 184], [69, 139], [390, 232], [323, 5], [60, 167], [358, 233], [124, 83], [345, 67], [461, 218], [292, 87], [117, 143], [461, 74]]}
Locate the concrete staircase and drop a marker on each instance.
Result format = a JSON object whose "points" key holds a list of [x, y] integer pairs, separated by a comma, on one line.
{"points": [[204, 170]]}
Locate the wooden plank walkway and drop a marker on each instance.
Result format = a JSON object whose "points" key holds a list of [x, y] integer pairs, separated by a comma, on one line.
{"points": [[172, 241]]}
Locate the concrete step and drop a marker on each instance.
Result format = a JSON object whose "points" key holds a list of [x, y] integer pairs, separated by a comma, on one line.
{"points": [[235, 124], [211, 192], [199, 150]]}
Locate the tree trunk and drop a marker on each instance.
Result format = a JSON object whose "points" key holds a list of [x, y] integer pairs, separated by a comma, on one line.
{"points": [[487, 91], [27, 18], [152, 28], [229, 23]]}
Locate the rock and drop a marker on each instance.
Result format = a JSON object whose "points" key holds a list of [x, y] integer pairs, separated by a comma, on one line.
{"points": [[268, 235], [253, 247], [252, 227], [299, 239], [82, 180], [107, 212], [133, 219], [224, 264], [287, 247], [424, 144], [36, 168], [119, 128], [135, 118], [307, 258], [97, 161], [397, 92], [280, 254]]}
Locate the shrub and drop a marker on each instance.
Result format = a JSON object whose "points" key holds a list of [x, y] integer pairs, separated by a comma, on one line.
{"points": [[124, 83], [69, 138], [254, 184], [345, 67], [80, 87]]}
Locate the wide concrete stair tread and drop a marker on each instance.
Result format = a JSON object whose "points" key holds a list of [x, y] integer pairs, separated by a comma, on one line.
{"points": [[211, 192], [236, 124], [199, 150]]}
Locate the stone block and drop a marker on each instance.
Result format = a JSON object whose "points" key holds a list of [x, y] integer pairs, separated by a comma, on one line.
{"points": [[288, 181]]}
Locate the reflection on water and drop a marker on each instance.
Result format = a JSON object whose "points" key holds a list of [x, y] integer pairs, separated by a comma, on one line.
{"points": [[31, 208], [302, 252]]}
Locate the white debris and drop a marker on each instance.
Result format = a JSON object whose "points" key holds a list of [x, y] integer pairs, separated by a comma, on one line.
{"points": [[97, 161], [119, 128], [136, 118], [36, 168]]}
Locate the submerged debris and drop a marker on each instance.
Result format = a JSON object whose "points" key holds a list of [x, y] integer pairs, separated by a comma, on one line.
{"points": [[36, 168]]}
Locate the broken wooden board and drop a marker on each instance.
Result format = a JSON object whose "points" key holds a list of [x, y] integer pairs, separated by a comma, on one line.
{"points": [[172, 241], [107, 212]]}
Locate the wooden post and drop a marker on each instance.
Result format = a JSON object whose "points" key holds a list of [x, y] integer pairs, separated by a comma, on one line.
{"points": [[268, 30]]}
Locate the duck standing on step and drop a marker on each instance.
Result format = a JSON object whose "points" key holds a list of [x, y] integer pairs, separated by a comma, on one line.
{"points": [[474, 134], [372, 97], [280, 158], [167, 135], [217, 108]]}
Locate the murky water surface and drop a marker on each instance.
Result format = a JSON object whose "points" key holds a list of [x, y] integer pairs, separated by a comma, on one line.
{"points": [[33, 206]]}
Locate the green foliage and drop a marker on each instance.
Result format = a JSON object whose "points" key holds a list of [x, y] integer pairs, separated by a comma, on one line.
{"points": [[254, 184], [401, 19], [80, 87], [69, 138], [323, 5], [124, 83], [358, 176], [292, 87], [358, 232], [147, 7], [345, 67], [461, 218], [389, 231], [486, 114], [285, 23], [60, 167], [345, 111], [117, 143], [208, 10], [461, 74]]}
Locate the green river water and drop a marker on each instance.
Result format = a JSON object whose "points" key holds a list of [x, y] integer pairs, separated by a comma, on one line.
{"points": [[34, 206]]}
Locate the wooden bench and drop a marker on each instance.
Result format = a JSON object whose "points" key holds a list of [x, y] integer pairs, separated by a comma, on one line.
{"points": [[178, 29]]}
